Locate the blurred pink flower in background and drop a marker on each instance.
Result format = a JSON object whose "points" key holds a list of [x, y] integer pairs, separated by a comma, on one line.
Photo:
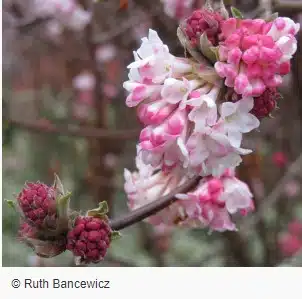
{"points": [[290, 243], [84, 81], [295, 227], [105, 53], [280, 159], [292, 188], [110, 90], [54, 29], [84, 85], [111, 160], [68, 12], [178, 9]]}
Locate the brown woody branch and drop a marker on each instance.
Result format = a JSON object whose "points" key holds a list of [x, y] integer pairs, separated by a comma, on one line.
{"points": [[288, 6], [152, 208], [73, 130]]}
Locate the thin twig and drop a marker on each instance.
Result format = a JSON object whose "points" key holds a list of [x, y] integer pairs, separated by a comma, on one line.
{"points": [[151, 208], [122, 28], [26, 25], [73, 130]]}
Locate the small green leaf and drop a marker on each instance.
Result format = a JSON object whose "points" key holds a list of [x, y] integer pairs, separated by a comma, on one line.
{"points": [[58, 186], [63, 205], [236, 13], [11, 203], [215, 50], [115, 235], [100, 211], [205, 47]]}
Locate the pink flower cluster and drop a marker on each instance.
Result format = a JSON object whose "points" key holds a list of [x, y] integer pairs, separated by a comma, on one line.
{"points": [[210, 204], [188, 129], [67, 12], [178, 9], [255, 54], [291, 242], [183, 125]]}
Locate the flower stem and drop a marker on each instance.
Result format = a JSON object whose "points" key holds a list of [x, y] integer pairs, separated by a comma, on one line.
{"points": [[152, 208]]}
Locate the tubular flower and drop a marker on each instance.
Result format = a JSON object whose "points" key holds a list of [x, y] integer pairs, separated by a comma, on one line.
{"points": [[254, 54]]}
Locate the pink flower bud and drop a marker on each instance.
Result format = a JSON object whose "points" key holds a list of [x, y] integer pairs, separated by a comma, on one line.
{"points": [[290, 245], [89, 239], [203, 21], [295, 228], [279, 159], [37, 202]]}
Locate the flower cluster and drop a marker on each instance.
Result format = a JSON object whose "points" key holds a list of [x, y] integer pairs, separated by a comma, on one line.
{"points": [[176, 100], [66, 12], [210, 204], [195, 110], [254, 55]]}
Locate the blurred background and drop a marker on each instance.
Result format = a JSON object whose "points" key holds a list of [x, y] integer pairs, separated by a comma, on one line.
{"points": [[64, 112]]}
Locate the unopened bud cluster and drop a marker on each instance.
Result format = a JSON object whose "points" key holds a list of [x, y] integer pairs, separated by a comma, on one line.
{"points": [[50, 227], [89, 239]]}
